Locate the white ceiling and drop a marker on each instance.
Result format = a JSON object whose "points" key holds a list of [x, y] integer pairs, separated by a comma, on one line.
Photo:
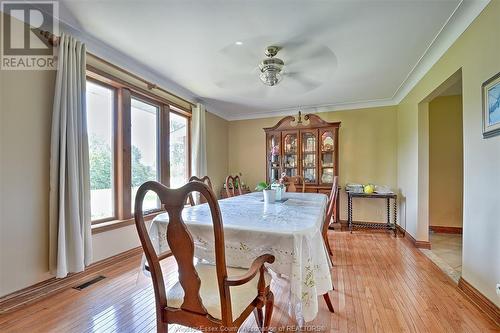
{"points": [[347, 52]]}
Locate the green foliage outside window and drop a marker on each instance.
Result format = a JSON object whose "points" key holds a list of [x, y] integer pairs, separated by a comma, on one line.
{"points": [[101, 166]]}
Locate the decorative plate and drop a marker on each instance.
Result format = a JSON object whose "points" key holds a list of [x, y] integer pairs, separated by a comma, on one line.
{"points": [[328, 143]]}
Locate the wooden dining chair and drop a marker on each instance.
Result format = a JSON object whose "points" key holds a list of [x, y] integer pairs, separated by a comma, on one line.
{"points": [[332, 199], [204, 179], [294, 183], [206, 297], [231, 184]]}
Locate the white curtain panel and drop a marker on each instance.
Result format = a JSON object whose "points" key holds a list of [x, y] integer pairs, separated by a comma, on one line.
{"points": [[69, 214], [199, 141]]}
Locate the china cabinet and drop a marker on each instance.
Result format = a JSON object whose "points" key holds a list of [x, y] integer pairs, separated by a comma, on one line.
{"points": [[304, 146]]}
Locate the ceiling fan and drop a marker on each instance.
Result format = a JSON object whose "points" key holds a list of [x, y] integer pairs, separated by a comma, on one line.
{"points": [[270, 68], [294, 67]]}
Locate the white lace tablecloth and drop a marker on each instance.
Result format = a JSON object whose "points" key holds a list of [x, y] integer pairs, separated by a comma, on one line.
{"points": [[290, 230]]}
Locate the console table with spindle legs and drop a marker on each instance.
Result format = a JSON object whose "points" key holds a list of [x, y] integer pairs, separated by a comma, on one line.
{"points": [[388, 225]]}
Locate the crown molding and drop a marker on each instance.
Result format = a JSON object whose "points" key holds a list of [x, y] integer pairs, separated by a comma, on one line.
{"points": [[463, 15], [310, 109], [122, 60], [69, 25], [214, 110]]}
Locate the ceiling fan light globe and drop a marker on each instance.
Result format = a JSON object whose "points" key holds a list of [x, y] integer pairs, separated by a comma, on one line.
{"points": [[270, 78]]}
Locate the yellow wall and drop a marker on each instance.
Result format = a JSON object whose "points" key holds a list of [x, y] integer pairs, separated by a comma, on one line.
{"points": [[26, 106], [476, 52], [25, 120], [367, 148], [445, 161], [26, 101], [377, 145], [217, 150]]}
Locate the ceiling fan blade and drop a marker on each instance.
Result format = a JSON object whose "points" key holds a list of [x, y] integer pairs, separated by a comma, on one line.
{"points": [[299, 82], [240, 55], [311, 53], [236, 81]]}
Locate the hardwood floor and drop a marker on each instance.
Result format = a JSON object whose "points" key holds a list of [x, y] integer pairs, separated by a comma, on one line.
{"points": [[382, 284]]}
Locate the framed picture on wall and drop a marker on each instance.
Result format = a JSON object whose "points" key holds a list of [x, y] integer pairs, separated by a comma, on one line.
{"points": [[491, 106]]}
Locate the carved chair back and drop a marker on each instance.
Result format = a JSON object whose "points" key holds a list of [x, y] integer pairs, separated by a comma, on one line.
{"points": [[204, 179], [294, 183], [231, 184], [192, 311]]}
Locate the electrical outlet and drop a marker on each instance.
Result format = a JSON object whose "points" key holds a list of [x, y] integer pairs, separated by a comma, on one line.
{"points": [[498, 288]]}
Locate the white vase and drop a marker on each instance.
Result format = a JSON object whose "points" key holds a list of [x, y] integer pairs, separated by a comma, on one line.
{"points": [[269, 196], [279, 191]]}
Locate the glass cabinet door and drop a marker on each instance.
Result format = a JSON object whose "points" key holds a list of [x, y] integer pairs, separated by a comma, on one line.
{"points": [[290, 154], [327, 156], [273, 156], [309, 142]]}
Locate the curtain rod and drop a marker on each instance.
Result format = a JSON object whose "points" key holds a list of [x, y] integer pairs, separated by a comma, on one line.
{"points": [[54, 40]]}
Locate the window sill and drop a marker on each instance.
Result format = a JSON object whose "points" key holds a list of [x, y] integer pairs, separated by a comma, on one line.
{"points": [[116, 224]]}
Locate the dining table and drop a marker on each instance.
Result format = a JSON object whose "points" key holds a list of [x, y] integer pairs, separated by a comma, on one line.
{"points": [[289, 229]]}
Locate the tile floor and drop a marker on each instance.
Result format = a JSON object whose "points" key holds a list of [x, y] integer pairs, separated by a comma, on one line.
{"points": [[446, 252]]}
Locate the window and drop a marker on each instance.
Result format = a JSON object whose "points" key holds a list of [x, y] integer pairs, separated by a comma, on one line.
{"points": [[144, 150], [100, 109], [135, 136], [179, 162]]}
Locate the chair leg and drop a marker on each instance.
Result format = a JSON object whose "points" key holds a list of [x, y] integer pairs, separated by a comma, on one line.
{"points": [[269, 311], [259, 317], [161, 327], [331, 260], [328, 247], [330, 253], [328, 302]]}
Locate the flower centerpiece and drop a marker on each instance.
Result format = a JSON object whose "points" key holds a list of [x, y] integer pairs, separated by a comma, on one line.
{"points": [[262, 186]]}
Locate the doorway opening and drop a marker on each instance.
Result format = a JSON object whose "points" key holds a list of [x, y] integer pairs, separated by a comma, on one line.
{"points": [[445, 176]]}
